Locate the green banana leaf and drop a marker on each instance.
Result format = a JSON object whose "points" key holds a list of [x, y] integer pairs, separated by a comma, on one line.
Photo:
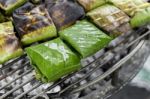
{"points": [[33, 23], [130, 6], [52, 60], [141, 18], [85, 38], [91, 4], [9, 44], [110, 18], [10, 5], [65, 13]]}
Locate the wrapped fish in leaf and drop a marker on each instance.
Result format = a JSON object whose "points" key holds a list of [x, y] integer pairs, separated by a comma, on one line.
{"points": [[65, 13], [91, 4], [85, 38], [130, 6], [52, 60], [141, 18], [10, 5], [9, 45], [33, 23], [110, 18]]}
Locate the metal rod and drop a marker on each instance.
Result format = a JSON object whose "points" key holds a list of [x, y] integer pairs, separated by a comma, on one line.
{"points": [[13, 90], [16, 79], [111, 70]]}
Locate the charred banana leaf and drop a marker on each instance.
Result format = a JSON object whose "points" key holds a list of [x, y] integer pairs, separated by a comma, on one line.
{"points": [[10, 5], [130, 6], [91, 4], [52, 60], [33, 23], [111, 19], [85, 38], [9, 45], [65, 13]]}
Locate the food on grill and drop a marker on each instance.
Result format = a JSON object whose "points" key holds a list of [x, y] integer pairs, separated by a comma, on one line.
{"points": [[130, 6], [91, 4], [137, 9], [52, 60], [10, 5], [33, 23], [64, 13], [85, 38], [9, 45], [141, 18], [111, 19]]}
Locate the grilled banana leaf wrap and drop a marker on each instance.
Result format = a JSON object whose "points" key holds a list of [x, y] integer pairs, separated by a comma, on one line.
{"points": [[85, 38], [91, 4], [9, 45], [137, 9], [141, 18], [33, 23], [10, 5], [65, 13], [111, 19], [53, 60]]}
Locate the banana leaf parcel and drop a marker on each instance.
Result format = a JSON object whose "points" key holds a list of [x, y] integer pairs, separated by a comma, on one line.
{"points": [[85, 38], [9, 45], [130, 6], [52, 60], [111, 19], [91, 4], [33, 23], [10, 5], [65, 13], [141, 18]]}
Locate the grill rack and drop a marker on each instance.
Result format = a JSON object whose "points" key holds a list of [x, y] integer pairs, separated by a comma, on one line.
{"points": [[95, 64]]}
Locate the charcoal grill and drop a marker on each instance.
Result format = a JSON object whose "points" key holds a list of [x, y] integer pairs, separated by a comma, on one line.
{"points": [[102, 75]]}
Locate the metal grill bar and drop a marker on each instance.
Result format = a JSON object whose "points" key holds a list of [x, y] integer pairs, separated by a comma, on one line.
{"points": [[16, 79], [111, 70], [9, 74], [67, 77], [13, 90]]}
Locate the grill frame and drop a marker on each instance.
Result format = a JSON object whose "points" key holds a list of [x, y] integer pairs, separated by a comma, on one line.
{"points": [[63, 92]]}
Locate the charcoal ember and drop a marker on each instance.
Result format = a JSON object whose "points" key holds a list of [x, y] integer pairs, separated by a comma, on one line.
{"points": [[65, 13], [8, 6]]}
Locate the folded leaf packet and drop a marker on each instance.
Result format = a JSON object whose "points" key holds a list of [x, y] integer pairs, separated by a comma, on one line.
{"points": [[52, 60], [33, 23], [85, 38], [9, 45], [111, 19], [91, 4], [141, 18], [130, 6], [10, 5], [65, 13]]}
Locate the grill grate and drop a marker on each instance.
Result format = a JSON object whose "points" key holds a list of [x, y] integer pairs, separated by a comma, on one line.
{"points": [[105, 62]]}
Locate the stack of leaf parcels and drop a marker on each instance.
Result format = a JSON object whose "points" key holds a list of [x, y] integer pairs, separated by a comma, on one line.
{"points": [[72, 29]]}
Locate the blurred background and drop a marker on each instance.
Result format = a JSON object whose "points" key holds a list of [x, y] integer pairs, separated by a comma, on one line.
{"points": [[139, 88]]}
